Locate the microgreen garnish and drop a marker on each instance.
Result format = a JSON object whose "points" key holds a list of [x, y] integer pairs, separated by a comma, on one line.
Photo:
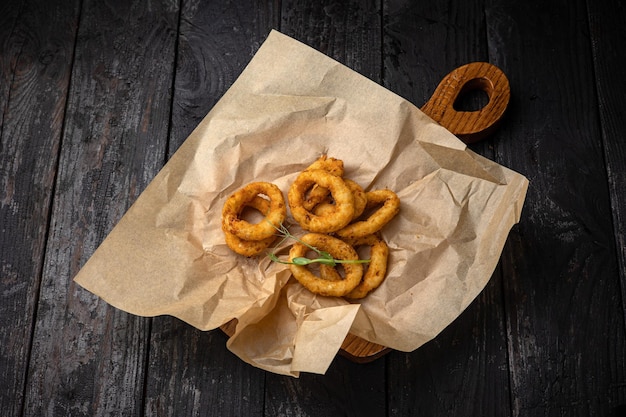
{"points": [[324, 257]]}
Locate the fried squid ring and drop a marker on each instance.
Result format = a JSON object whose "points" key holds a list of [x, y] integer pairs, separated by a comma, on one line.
{"points": [[332, 165], [376, 268], [360, 197], [390, 207], [250, 248], [341, 194], [338, 249], [325, 208], [318, 194], [265, 228]]}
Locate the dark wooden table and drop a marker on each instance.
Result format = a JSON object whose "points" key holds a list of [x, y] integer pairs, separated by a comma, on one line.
{"points": [[95, 96]]}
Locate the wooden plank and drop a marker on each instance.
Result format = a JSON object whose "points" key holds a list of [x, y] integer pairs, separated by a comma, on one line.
{"points": [[37, 39], [564, 314], [463, 371], [191, 372], [347, 31], [347, 389], [606, 20], [606, 30], [89, 358], [217, 41], [10, 46], [187, 367]]}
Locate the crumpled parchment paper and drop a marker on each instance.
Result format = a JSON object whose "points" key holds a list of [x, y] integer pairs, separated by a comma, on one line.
{"points": [[290, 105]]}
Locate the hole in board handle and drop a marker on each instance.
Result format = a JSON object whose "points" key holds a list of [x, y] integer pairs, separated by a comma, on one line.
{"points": [[474, 95]]}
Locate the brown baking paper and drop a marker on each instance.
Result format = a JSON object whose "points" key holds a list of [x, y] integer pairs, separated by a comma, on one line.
{"points": [[291, 104]]}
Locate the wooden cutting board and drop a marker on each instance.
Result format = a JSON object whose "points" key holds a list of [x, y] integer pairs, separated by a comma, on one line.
{"points": [[469, 126]]}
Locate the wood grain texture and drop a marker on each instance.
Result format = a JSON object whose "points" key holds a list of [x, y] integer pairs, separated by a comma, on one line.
{"points": [[562, 293], [37, 45], [88, 359], [424, 41], [217, 40], [470, 126], [191, 372], [187, 367], [360, 350], [347, 389], [348, 31], [605, 19], [10, 46]]}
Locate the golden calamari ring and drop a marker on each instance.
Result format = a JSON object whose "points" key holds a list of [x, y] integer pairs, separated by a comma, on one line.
{"points": [[390, 207], [266, 227], [360, 197], [376, 268], [341, 194], [318, 194], [325, 208], [250, 248], [338, 249], [332, 165]]}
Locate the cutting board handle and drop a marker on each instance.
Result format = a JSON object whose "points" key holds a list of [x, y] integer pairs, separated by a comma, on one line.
{"points": [[470, 126]]}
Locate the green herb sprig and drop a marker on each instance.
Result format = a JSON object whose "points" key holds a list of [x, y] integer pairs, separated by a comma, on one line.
{"points": [[324, 257]]}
